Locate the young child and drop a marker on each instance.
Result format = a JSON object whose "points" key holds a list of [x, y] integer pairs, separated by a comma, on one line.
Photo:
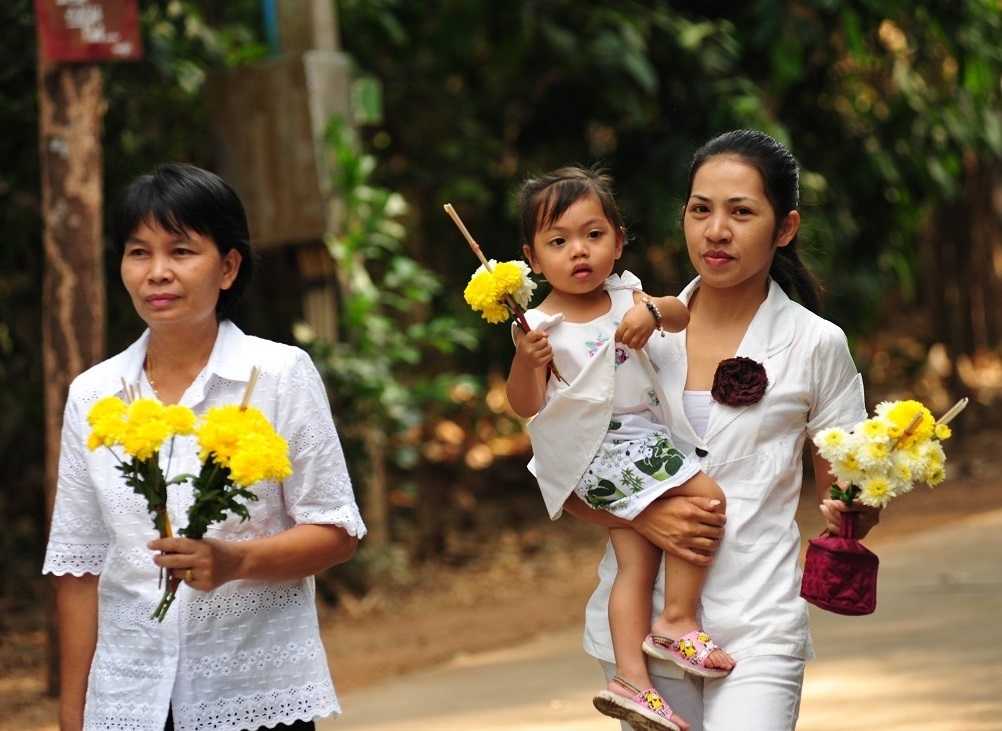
{"points": [[600, 435]]}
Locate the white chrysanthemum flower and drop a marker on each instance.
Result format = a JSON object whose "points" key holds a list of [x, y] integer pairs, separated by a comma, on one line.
{"points": [[832, 443], [875, 431], [883, 408], [905, 467], [847, 469], [524, 295], [874, 455], [935, 462], [876, 492]]}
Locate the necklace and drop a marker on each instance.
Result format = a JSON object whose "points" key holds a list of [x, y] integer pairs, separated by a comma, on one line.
{"points": [[149, 375]]}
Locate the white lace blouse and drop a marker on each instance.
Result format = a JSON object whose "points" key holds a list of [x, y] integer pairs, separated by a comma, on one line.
{"points": [[249, 653]]}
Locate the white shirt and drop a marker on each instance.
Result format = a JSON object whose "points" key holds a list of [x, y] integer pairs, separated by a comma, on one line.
{"points": [[249, 653], [568, 431], [697, 406], [751, 602]]}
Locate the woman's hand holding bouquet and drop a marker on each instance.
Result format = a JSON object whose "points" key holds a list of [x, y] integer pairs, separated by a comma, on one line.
{"points": [[238, 448], [879, 459]]}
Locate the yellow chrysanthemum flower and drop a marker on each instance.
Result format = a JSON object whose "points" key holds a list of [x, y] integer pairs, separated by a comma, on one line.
{"points": [[245, 442], [180, 419], [480, 292], [108, 407], [496, 314], [900, 416], [108, 430], [219, 432], [487, 290], [507, 277], [144, 409], [144, 438]]}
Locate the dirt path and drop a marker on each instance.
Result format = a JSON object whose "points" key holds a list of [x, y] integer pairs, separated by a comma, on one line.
{"points": [[929, 659], [526, 592]]}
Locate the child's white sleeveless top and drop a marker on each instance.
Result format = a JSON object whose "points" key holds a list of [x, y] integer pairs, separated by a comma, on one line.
{"points": [[574, 344], [603, 433]]}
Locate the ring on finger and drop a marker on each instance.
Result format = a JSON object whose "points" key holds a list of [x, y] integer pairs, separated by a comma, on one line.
{"points": [[188, 576]]}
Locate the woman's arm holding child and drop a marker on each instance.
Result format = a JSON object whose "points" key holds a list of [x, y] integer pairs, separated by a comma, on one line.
{"points": [[526, 385]]}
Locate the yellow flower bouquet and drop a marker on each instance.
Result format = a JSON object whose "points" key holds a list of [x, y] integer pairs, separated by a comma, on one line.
{"points": [[498, 290], [140, 427], [238, 448], [888, 454]]}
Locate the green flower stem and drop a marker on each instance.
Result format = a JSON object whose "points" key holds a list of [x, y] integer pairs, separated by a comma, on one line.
{"points": [[847, 496]]}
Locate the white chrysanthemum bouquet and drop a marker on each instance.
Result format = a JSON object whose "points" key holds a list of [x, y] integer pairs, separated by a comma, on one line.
{"points": [[888, 454]]}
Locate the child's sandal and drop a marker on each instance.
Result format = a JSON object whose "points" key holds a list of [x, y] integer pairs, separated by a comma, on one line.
{"points": [[646, 710], [689, 652]]}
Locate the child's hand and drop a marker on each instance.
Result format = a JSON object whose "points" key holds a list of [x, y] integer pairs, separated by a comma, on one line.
{"points": [[533, 349], [636, 328]]}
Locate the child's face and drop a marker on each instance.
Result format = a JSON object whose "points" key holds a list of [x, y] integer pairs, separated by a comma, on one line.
{"points": [[576, 252]]}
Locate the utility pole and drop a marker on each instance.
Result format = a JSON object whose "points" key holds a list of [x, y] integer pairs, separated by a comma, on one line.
{"points": [[71, 105]]}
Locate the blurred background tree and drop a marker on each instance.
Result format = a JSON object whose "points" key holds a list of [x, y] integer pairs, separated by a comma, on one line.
{"points": [[892, 107]]}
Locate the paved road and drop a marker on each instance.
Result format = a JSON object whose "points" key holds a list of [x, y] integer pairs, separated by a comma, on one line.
{"points": [[929, 659]]}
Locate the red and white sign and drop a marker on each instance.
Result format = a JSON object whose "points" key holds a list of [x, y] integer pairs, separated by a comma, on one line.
{"points": [[88, 30]]}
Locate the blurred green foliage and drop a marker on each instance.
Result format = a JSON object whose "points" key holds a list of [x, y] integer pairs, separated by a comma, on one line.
{"points": [[892, 107], [387, 331]]}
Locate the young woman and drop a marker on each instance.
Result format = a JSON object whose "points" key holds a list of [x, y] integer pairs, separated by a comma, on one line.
{"points": [[795, 377], [241, 648]]}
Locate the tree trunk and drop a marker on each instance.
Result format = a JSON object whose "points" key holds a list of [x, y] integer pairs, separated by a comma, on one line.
{"points": [[377, 518], [70, 109]]}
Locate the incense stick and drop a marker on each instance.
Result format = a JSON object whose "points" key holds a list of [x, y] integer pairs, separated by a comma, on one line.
{"points": [[468, 236], [953, 411], [245, 402]]}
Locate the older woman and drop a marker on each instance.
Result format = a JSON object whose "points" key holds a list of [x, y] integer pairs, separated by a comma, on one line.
{"points": [[241, 648]]}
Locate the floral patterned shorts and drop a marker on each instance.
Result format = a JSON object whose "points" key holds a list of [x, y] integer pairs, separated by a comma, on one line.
{"points": [[625, 471]]}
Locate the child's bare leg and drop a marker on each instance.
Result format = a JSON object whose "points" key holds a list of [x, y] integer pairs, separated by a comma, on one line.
{"points": [[684, 581], [630, 604]]}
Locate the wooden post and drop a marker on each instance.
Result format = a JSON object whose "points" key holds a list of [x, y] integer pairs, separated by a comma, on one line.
{"points": [[70, 110]]}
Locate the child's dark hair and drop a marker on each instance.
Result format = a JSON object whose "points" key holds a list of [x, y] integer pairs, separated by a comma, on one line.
{"points": [[781, 179], [544, 199], [178, 198]]}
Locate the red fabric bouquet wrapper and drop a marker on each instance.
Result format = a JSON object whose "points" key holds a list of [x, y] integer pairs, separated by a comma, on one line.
{"points": [[840, 573]]}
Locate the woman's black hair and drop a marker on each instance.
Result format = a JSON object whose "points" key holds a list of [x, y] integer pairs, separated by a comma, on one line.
{"points": [[179, 198], [781, 179], [542, 200]]}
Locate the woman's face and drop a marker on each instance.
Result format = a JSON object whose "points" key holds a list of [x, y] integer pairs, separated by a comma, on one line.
{"points": [[175, 279], [730, 226]]}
